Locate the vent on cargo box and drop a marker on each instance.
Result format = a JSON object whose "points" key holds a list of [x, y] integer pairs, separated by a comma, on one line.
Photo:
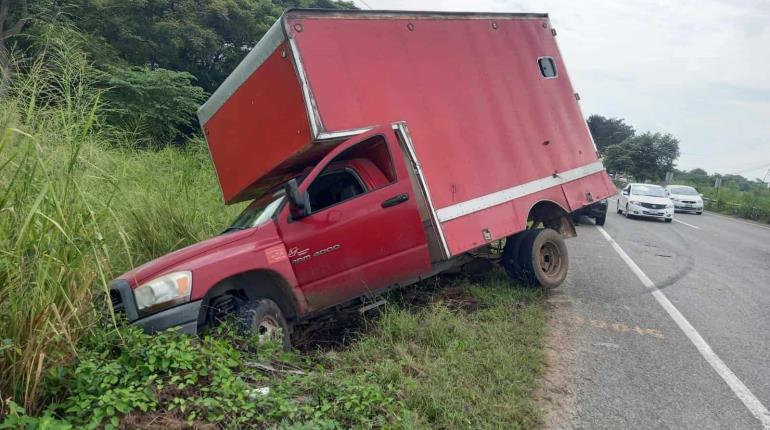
{"points": [[547, 67]]}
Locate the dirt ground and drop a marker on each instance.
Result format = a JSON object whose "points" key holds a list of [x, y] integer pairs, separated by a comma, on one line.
{"points": [[556, 395]]}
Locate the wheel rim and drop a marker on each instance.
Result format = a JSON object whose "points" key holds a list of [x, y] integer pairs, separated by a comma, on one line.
{"points": [[550, 259], [269, 329]]}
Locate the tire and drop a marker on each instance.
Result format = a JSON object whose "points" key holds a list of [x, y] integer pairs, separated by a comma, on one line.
{"points": [[511, 252], [699, 213], [600, 219], [543, 259], [619, 211], [626, 212], [668, 219], [264, 318]]}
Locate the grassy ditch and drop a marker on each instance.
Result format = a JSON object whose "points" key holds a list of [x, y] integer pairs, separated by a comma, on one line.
{"points": [[463, 355]]}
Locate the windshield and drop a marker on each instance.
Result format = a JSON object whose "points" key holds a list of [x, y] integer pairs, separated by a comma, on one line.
{"points": [[648, 190], [257, 213], [685, 191]]}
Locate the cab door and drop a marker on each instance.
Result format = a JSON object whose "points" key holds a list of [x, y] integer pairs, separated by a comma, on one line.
{"points": [[363, 232]]}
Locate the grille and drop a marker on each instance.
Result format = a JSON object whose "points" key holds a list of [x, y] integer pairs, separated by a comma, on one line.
{"points": [[688, 201], [653, 206], [117, 301]]}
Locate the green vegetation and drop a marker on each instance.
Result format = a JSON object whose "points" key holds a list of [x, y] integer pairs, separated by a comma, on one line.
{"points": [[77, 207], [463, 356]]}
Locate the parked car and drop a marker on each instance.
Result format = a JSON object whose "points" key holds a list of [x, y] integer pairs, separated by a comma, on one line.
{"points": [[597, 211], [646, 200], [375, 157], [685, 199]]}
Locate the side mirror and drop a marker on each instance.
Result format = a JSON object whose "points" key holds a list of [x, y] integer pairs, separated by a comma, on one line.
{"points": [[299, 204], [625, 192]]}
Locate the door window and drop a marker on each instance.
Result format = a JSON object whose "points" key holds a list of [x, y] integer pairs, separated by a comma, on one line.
{"points": [[334, 187], [340, 182]]}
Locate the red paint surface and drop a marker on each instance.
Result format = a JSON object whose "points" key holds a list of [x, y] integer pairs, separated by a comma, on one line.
{"points": [[377, 246], [260, 126], [221, 257], [477, 107]]}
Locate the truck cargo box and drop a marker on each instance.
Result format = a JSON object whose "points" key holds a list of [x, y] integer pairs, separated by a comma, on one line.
{"points": [[493, 120]]}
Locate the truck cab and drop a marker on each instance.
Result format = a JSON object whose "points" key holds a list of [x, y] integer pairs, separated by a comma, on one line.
{"points": [[356, 231]]}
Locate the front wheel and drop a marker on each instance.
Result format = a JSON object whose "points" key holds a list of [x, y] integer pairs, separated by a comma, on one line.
{"points": [[668, 219], [600, 219], [263, 318]]}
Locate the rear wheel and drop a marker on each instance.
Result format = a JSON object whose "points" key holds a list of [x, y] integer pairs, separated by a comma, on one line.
{"points": [[511, 253], [600, 219], [264, 319], [542, 258]]}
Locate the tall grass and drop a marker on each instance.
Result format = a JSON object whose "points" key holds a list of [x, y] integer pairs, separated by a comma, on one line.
{"points": [[79, 206]]}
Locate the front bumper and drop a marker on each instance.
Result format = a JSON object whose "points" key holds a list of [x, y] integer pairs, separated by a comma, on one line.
{"points": [[685, 207], [183, 316], [596, 210], [642, 211]]}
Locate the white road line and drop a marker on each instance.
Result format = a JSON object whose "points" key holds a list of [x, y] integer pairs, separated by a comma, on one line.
{"points": [[687, 224], [741, 391]]}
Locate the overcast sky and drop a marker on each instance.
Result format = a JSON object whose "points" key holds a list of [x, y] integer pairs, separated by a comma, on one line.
{"points": [[699, 70]]}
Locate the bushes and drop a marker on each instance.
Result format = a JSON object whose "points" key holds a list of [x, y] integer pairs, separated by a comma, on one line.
{"points": [[128, 379]]}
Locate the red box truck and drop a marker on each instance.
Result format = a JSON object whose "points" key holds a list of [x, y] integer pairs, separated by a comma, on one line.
{"points": [[379, 148]]}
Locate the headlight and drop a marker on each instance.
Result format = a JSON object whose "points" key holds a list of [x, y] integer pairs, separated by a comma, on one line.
{"points": [[165, 291], [634, 202]]}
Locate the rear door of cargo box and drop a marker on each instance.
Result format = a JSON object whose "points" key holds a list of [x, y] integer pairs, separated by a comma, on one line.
{"points": [[492, 116]]}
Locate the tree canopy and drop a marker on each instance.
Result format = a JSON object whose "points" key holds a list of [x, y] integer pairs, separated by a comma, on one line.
{"points": [[608, 131], [648, 156]]}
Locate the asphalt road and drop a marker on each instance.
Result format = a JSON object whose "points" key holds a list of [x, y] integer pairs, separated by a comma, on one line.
{"points": [[633, 364]]}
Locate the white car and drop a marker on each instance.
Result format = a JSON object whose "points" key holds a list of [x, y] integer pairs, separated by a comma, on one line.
{"points": [[685, 199], [645, 200]]}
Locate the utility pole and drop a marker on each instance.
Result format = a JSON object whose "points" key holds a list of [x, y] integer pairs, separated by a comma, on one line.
{"points": [[717, 185]]}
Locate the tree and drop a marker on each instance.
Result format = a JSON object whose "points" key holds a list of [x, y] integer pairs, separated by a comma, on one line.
{"points": [[608, 131], [619, 158], [647, 156], [157, 104]]}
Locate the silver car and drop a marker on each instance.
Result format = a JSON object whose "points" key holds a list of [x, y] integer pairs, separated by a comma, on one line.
{"points": [[685, 198]]}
